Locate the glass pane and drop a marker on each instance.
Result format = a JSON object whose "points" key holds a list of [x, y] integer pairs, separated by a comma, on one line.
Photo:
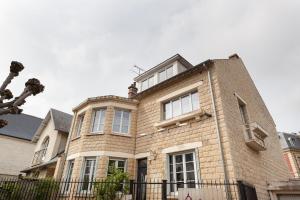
{"points": [[176, 108], [145, 84], [117, 121], [186, 104], [179, 176], [151, 81], [162, 76], [178, 158], [121, 163], [190, 176], [180, 185], [102, 119], [179, 167], [191, 184], [189, 166], [96, 121], [167, 111], [195, 101], [189, 157], [169, 72], [171, 159], [125, 122]]}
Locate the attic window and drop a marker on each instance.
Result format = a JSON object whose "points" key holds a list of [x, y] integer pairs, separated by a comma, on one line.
{"points": [[165, 73], [292, 141], [149, 82]]}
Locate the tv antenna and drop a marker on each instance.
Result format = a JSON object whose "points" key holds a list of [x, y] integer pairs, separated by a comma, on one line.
{"points": [[137, 70]]}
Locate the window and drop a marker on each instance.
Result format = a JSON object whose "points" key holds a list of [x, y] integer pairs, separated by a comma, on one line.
{"points": [[98, 120], [44, 148], [165, 74], [69, 175], [88, 174], [121, 121], [116, 164], [243, 112], [182, 171], [149, 82], [181, 105], [79, 125], [292, 141]]}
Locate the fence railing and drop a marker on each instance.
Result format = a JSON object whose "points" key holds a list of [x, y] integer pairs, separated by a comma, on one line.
{"points": [[42, 189]]}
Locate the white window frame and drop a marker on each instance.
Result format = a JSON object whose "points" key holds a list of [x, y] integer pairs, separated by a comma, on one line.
{"points": [[91, 175], [44, 146], [69, 172], [100, 116], [179, 98], [147, 81], [184, 170], [79, 124], [165, 72], [117, 160], [121, 121]]}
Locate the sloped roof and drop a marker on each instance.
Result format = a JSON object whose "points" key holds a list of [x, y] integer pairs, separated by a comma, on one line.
{"points": [[21, 126], [61, 120], [289, 140]]}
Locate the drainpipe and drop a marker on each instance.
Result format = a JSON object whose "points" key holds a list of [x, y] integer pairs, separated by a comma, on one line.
{"points": [[216, 123]]}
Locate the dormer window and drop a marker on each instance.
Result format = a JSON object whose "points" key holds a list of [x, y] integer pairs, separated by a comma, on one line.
{"points": [[149, 82], [165, 74]]}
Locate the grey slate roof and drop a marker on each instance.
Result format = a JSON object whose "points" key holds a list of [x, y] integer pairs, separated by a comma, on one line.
{"points": [[289, 140], [21, 126], [62, 121]]}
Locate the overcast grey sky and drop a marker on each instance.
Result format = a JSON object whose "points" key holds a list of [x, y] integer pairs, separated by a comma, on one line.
{"points": [[80, 49]]}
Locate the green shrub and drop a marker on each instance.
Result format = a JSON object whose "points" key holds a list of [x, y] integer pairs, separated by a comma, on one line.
{"points": [[114, 187], [46, 188]]}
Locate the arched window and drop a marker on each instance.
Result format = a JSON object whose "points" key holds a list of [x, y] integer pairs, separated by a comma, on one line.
{"points": [[44, 147]]}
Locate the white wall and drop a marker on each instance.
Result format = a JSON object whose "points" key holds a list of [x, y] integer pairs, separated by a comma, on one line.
{"points": [[54, 141], [15, 155]]}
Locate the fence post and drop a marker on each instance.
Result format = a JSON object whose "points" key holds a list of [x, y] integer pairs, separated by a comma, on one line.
{"points": [[131, 187], [164, 190], [242, 192]]}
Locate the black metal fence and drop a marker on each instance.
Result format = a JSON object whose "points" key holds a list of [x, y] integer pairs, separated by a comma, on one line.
{"points": [[43, 189]]}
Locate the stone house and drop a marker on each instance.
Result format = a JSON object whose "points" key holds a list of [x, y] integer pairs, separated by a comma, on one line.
{"points": [[181, 123], [290, 143], [50, 141], [16, 148]]}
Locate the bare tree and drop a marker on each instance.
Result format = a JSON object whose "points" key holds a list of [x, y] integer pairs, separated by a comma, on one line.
{"points": [[8, 105]]}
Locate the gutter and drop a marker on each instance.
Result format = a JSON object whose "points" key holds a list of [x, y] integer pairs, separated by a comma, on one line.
{"points": [[217, 124]]}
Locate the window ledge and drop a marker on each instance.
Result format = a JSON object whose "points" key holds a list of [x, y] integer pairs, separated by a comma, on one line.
{"points": [[95, 133], [76, 138], [177, 120], [121, 134]]}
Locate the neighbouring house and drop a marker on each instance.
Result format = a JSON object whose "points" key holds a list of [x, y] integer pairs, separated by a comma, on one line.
{"points": [[182, 123], [16, 148], [290, 143], [50, 141]]}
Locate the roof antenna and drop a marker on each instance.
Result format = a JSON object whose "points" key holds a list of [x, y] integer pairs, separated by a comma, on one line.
{"points": [[137, 70]]}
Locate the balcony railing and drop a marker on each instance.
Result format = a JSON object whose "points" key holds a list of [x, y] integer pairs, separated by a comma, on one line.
{"points": [[39, 157], [254, 136]]}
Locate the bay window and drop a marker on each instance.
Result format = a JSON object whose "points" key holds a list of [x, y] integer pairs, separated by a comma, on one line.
{"points": [[98, 120], [88, 174], [182, 171], [79, 125], [181, 105], [121, 121], [118, 164]]}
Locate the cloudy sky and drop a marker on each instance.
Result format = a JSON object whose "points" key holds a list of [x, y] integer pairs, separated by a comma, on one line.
{"points": [[80, 49]]}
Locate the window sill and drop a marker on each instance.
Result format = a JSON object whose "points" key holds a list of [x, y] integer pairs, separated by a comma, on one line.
{"points": [[76, 138], [121, 134], [95, 133], [185, 117]]}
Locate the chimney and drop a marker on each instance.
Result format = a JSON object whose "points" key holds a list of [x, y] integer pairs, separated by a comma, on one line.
{"points": [[132, 90]]}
